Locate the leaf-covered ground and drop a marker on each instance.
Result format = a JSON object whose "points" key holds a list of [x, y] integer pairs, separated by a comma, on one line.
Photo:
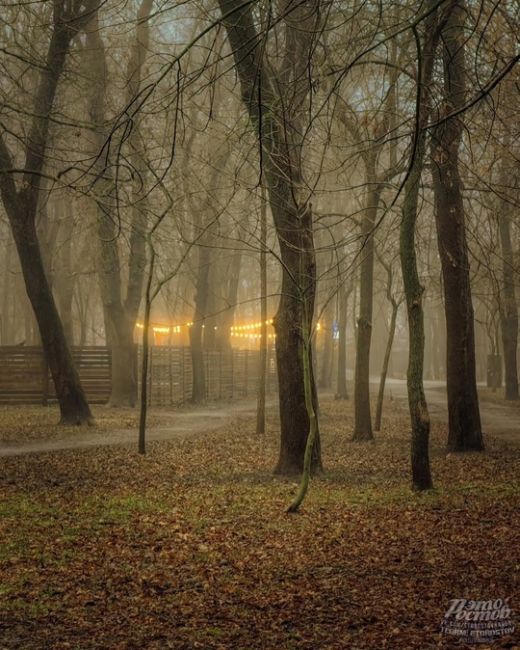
{"points": [[190, 546], [28, 423]]}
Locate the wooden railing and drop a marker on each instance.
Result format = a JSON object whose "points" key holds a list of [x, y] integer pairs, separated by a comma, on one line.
{"points": [[25, 378]]}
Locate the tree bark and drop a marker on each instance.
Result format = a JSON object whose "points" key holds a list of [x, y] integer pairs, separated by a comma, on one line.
{"points": [[202, 334], [6, 294], [73, 405], [362, 413], [341, 386], [64, 277], [198, 392], [278, 134], [465, 433], [21, 207], [389, 343], [508, 307], [262, 357], [419, 416], [328, 346], [120, 310]]}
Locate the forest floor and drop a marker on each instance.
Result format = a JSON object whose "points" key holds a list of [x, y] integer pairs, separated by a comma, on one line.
{"points": [[190, 546], [499, 417], [32, 429]]}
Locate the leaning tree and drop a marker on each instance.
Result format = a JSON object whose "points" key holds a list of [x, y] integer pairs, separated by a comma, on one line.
{"points": [[20, 189]]}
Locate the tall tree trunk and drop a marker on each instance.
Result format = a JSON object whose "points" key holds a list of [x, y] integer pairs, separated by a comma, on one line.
{"points": [[384, 369], [294, 415], [341, 386], [262, 375], [419, 416], [278, 134], [202, 332], [6, 295], [362, 414], [21, 207], [328, 346], [198, 392], [226, 318], [64, 277], [120, 310], [508, 307], [73, 405], [465, 433], [389, 343]]}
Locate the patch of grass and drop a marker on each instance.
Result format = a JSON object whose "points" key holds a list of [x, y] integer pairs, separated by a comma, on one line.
{"points": [[19, 505]]}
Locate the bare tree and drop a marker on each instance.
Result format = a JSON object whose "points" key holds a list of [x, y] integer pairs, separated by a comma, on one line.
{"points": [[120, 307], [394, 302], [274, 101], [465, 431], [420, 419], [21, 205]]}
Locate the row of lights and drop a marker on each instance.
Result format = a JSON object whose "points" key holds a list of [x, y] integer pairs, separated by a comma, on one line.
{"points": [[176, 329], [251, 326], [251, 336], [236, 330], [162, 329]]}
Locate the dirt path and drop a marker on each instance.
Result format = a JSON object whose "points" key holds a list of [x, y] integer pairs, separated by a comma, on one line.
{"points": [[176, 424], [498, 420]]}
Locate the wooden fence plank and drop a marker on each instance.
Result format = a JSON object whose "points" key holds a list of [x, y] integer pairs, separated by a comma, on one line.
{"points": [[24, 378]]}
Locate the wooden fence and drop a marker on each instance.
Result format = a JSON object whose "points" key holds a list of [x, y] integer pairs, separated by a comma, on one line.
{"points": [[229, 374], [25, 378]]}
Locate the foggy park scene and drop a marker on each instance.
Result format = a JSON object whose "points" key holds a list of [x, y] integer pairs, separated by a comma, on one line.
{"points": [[259, 294]]}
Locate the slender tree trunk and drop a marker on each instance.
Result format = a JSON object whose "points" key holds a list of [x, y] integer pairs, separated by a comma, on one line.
{"points": [[6, 296], [198, 392], [313, 429], [120, 310], [64, 278], [82, 306], [328, 346], [262, 375], [308, 383], [465, 433], [362, 414], [384, 369], [201, 332], [143, 412], [509, 307], [419, 416], [341, 386], [226, 318]]}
